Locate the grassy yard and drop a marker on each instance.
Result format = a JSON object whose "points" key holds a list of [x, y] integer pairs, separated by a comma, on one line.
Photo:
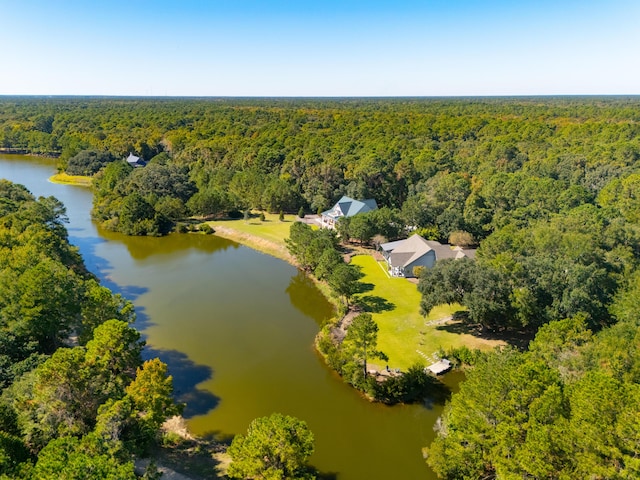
{"points": [[71, 179], [267, 236], [403, 331]]}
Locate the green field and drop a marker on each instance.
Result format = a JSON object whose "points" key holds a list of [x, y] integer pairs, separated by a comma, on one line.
{"points": [[267, 236], [403, 331]]}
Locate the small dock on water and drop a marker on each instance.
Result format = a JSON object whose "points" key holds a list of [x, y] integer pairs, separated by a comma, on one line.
{"points": [[440, 367]]}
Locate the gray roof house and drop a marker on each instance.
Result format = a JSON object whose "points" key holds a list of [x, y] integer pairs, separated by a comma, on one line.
{"points": [[135, 161], [346, 207], [403, 255]]}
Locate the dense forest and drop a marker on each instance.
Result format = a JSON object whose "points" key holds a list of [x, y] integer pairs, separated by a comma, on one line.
{"points": [[549, 188], [77, 401]]}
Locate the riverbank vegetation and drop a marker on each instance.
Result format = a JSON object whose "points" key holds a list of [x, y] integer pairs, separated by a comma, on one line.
{"points": [[548, 188], [81, 180], [76, 399]]}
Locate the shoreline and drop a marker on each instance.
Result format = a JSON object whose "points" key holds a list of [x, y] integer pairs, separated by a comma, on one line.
{"points": [[66, 179], [268, 247]]}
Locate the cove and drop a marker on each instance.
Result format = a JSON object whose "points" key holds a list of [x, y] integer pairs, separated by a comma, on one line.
{"points": [[236, 328]]}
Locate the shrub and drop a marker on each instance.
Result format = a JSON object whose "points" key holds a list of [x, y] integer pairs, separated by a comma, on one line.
{"points": [[461, 238], [301, 212]]}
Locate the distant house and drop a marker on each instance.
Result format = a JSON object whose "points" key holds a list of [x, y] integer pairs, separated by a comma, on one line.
{"points": [[135, 161], [403, 255], [346, 207]]}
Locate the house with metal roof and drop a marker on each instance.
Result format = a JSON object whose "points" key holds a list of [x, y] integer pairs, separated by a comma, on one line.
{"points": [[346, 207], [403, 256], [135, 161]]}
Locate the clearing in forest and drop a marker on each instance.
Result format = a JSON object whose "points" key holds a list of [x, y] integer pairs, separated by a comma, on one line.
{"points": [[404, 335]]}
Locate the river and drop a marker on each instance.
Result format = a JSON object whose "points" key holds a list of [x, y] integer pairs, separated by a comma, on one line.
{"points": [[236, 328]]}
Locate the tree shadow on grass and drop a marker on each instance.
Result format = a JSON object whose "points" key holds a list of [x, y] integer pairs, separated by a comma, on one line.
{"points": [[186, 376], [517, 338], [365, 287], [374, 304]]}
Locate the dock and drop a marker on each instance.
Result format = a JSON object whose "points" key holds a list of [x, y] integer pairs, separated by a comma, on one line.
{"points": [[440, 367]]}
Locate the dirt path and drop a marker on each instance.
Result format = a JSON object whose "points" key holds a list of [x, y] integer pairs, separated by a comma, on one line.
{"points": [[167, 474]]}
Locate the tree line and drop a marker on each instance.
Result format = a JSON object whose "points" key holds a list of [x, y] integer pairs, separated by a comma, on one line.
{"points": [[548, 187], [77, 401], [472, 165]]}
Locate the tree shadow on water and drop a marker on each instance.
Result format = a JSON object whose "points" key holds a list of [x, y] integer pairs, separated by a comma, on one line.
{"points": [[186, 376], [325, 475], [437, 393]]}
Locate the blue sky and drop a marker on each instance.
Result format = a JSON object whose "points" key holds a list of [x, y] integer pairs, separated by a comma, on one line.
{"points": [[311, 48]]}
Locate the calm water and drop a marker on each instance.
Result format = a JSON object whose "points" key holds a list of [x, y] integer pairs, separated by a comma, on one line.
{"points": [[236, 328]]}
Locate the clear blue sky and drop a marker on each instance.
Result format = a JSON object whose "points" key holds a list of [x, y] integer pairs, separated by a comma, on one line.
{"points": [[319, 48]]}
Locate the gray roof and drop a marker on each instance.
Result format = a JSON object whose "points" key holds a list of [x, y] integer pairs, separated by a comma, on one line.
{"points": [[349, 207], [405, 252], [409, 250], [387, 247], [442, 251]]}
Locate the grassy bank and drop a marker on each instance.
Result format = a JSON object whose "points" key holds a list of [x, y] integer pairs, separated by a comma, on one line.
{"points": [[404, 335], [71, 179], [267, 237]]}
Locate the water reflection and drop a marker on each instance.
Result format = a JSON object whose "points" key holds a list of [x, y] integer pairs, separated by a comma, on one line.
{"points": [[186, 377], [142, 248], [236, 329], [307, 299]]}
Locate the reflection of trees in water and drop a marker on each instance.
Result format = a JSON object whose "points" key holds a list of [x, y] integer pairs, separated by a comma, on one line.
{"points": [[304, 295], [143, 247], [186, 376]]}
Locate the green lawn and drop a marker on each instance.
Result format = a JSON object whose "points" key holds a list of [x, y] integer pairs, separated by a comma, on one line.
{"points": [[272, 229], [267, 236], [403, 331]]}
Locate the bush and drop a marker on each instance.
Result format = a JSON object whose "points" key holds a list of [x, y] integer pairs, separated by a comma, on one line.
{"points": [[235, 214], [206, 228], [262, 217], [412, 386], [461, 238], [281, 216]]}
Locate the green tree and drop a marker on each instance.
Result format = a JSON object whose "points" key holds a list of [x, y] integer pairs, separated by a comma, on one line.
{"points": [[344, 281], [151, 392], [113, 355], [71, 458], [275, 447], [362, 339], [99, 305]]}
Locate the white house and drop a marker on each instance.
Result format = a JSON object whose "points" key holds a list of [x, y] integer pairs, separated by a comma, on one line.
{"points": [[346, 207], [403, 255], [135, 161]]}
